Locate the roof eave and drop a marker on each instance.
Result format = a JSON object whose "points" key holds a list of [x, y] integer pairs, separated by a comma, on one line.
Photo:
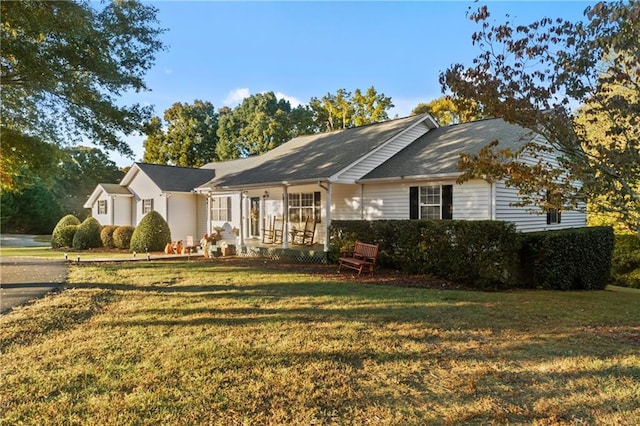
{"points": [[434, 176]]}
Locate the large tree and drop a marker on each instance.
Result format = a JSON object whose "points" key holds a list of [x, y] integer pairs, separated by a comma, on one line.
{"points": [[535, 75], [63, 67], [190, 138], [343, 109], [260, 123], [446, 110]]}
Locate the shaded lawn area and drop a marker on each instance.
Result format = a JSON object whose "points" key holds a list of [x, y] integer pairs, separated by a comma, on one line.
{"points": [[224, 343]]}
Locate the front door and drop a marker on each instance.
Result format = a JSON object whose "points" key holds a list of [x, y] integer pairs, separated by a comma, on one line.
{"points": [[255, 216]]}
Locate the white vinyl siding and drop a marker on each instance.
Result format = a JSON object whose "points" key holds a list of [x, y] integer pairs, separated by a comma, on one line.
{"points": [[472, 200], [528, 219], [346, 203], [182, 215], [382, 154]]}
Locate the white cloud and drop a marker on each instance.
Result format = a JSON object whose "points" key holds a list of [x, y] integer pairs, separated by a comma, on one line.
{"points": [[292, 99], [236, 96]]}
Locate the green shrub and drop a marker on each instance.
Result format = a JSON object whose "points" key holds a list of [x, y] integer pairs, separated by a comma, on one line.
{"points": [[152, 233], [88, 235], [106, 235], [568, 259], [65, 235], [122, 237], [625, 265], [478, 253], [59, 240]]}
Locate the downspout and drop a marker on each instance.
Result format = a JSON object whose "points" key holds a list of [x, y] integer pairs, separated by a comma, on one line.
{"points": [[285, 217], [362, 201], [208, 227], [327, 215], [492, 201], [113, 209]]}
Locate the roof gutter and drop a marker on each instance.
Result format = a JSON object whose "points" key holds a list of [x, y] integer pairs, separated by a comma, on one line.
{"points": [[416, 177], [275, 183]]}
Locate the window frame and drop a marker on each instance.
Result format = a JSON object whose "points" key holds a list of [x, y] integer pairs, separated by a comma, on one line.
{"points": [[102, 207], [221, 211], [147, 205], [301, 205]]}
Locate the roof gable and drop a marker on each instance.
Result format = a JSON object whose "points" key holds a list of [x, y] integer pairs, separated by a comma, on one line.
{"points": [[170, 178], [109, 189], [438, 151], [319, 156]]}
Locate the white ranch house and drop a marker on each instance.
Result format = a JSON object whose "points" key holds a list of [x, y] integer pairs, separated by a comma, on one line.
{"points": [[398, 169]]}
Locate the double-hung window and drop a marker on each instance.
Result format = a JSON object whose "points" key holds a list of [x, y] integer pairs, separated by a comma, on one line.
{"points": [[553, 214], [102, 206], [303, 206], [431, 202], [221, 209], [147, 205]]}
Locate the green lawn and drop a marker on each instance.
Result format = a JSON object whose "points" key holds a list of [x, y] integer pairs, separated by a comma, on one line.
{"points": [[206, 343]]}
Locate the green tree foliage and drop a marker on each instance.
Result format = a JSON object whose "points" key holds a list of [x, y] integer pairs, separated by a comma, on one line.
{"points": [[79, 171], [152, 233], [190, 139], [34, 210], [343, 110], [447, 110], [59, 238], [260, 123], [63, 66], [87, 235], [532, 75]]}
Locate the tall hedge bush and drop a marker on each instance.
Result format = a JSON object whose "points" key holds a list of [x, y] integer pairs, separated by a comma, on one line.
{"points": [[60, 238], [88, 235], [568, 259], [152, 233], [122, 237]]}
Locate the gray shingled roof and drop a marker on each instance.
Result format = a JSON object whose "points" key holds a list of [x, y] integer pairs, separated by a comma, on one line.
{"points": [[438, 151], [314, 157], [175, 179], [114, 189]]}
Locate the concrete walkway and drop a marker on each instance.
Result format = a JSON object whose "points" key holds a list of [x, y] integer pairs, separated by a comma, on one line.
{"points": [[26, 278]]}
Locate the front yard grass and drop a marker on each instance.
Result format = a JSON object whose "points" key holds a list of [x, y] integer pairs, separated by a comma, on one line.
{"points": [[205, 343]]}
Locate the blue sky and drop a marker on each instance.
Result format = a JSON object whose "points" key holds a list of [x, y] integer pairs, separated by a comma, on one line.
{"points": [[223, 51]]}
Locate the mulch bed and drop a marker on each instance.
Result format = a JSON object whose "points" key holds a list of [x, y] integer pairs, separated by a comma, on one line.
{"points": [[330, 272]]}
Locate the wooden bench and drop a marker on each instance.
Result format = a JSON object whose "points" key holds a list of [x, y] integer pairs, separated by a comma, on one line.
{"points": [[363, 256]]}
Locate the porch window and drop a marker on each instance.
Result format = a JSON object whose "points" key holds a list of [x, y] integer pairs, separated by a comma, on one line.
{"points": [[147, 205], [221, 209], [431, 202], [304, 205], [102, 206]]}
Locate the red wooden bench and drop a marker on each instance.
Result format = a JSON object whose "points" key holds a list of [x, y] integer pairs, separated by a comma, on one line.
{"points": [[363, 256]]}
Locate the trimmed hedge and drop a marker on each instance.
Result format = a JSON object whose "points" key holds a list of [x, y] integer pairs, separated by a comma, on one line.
{"points": [[152, 233], [568, 259], [485, 254], [625, 266], [122, 237], [106, 235], [482, 254], [64, 238], [88, 235]]}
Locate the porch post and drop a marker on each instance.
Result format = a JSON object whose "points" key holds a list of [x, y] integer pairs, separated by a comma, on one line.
{"points": [[208, 227], [327, 214], [242, 218], [285, 217]]}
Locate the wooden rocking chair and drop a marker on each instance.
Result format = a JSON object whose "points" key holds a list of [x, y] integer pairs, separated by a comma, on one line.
{"points": [[304, 236], [273, 235]]}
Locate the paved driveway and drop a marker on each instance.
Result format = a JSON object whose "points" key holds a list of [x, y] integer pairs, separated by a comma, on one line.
{"points": [[24, 278]]}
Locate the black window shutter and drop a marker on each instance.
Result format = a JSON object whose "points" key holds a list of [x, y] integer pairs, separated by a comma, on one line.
{"points": [[447, 202], [316, 206], [228, 208], [413, 202], [559, 214], [548, 218]]}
